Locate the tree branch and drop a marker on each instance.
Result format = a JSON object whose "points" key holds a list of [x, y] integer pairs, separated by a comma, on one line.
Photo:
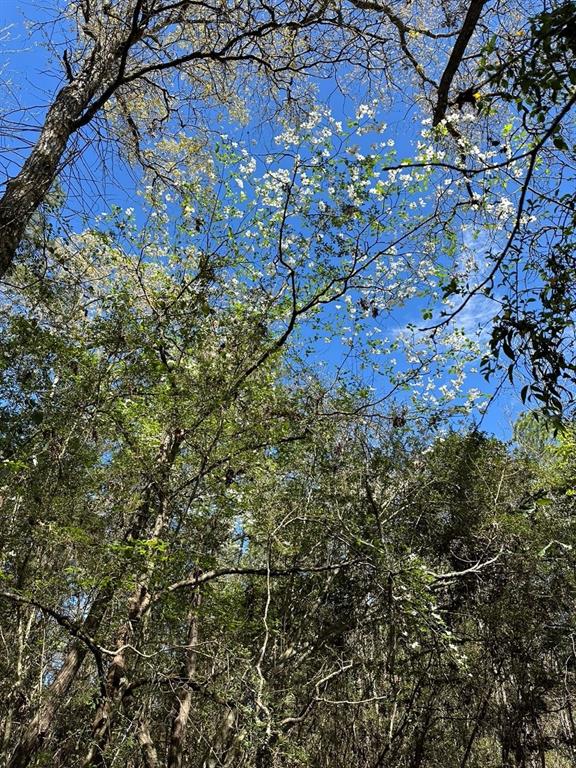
{"points": [[455, 59]]}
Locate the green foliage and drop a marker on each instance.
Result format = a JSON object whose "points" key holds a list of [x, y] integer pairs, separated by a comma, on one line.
{"points": [[222, 544]]}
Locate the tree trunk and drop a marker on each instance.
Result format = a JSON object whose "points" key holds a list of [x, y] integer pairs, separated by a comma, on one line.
{"points": [[26, 191], [184, 697], [222, 750], [149, 754], [116, 678]]}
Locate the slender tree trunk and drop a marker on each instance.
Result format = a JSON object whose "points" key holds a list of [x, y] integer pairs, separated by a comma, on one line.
{"points": [[149, 754], [184, 696], [420, 744], [222, 750], [116, 678], [476, 728], [16, 693]]}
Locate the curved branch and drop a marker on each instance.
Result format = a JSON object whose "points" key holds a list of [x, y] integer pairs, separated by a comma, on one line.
{"points": [[202, 578]]}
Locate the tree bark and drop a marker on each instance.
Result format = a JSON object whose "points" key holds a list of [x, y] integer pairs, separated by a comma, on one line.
{"points": [[149, 754], [222, 750], [116, 678], [466, 32], [26, 191], [117, 675], [184, 697]]}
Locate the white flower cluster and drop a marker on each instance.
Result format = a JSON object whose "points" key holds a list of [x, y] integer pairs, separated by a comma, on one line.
{"points": [[366, 110]]}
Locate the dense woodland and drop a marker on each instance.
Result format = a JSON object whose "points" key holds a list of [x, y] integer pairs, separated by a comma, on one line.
{"points": [[251, 512]]}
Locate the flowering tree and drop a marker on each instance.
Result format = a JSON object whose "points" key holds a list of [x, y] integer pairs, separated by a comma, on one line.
{"points": [[495, 85]]}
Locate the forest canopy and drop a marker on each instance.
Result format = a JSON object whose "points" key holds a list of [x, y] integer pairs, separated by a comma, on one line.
{"points": [[268, 270]]}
